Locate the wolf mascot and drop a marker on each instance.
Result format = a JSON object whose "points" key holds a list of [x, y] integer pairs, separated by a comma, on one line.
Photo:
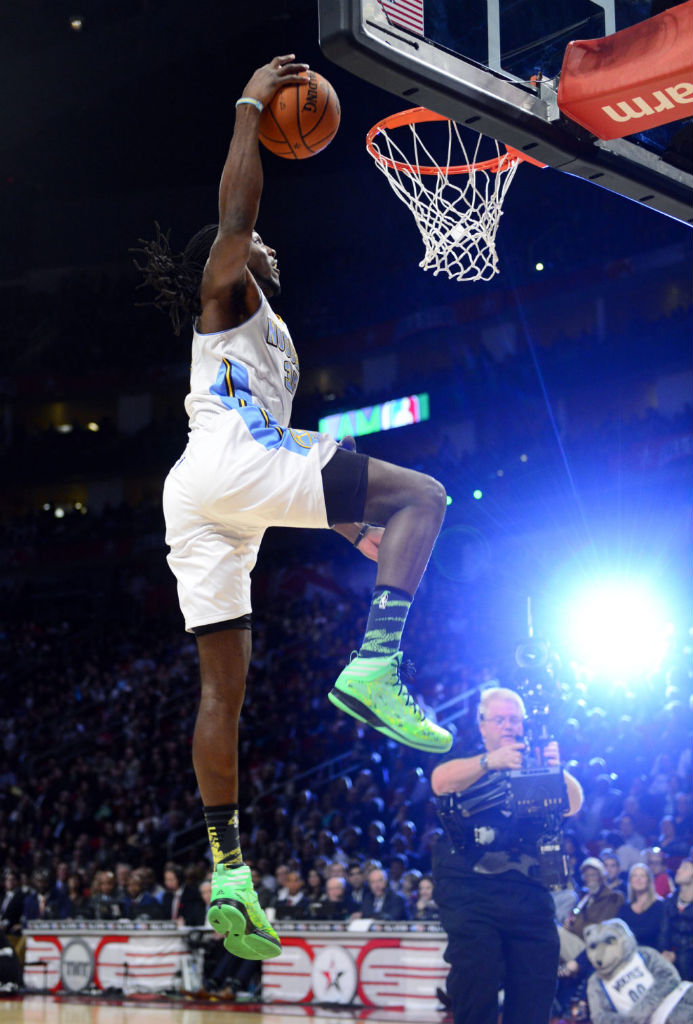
{"points": [[632, 984]]}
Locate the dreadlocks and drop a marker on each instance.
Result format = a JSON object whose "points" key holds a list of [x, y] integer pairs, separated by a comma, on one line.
{"points": [[175, 278]]}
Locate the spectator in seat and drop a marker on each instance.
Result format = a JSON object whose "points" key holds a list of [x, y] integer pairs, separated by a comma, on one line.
{"points": [[644, 910], [598, 904], [122, 874], [78, 903], [141, 904], [616, 880], [296, 906], [263, 893], [315, 886], [181, 901], [575, 854], [357, 885], [12, 904], [151, 882], [602, 803], [669, 843], [397, 866], [409, 888], [683, 818], [663, 882], [380, 902], [676, 934], [281, 890], [104, 905], [43, 901], [628, 852], [62, 872], [426, 906], [335, 904]]}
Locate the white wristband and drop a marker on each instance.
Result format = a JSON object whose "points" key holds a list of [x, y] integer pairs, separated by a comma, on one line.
{"points": [[253, 103]]}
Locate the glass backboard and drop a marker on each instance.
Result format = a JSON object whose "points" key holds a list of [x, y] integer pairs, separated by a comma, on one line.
{"points": [[493, 65]]}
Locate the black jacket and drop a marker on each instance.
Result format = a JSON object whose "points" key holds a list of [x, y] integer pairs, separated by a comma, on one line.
{"points": [[393, 909], [191, 906], [299, 911], [676, 934], [12, 907]]}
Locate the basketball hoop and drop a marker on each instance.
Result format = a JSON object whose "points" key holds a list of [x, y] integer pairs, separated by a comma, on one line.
{"points": [[457, 222]]}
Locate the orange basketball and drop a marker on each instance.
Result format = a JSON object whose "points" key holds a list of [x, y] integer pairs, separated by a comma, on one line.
{"points": [[301, 119]]}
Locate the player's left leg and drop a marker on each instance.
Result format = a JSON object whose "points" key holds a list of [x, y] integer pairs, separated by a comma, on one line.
{"points": [[411, 507]]}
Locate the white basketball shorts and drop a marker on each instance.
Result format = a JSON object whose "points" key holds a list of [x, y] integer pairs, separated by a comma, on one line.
{"points": [[231, 483]]}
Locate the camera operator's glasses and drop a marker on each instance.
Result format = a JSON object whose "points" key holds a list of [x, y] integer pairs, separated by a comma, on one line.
{"points": [[514, 720]]}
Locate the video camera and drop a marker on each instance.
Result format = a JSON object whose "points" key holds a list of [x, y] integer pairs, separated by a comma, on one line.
{"points": [[537, 684], [539, 791]]}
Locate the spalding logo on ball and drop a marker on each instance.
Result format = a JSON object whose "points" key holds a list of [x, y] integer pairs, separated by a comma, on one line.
{"points": [[301, 119]]}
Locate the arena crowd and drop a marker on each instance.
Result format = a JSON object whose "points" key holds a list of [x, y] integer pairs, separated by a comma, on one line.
{"points": [[99, 816]]}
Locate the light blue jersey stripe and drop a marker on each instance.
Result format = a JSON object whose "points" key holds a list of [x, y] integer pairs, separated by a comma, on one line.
{"points": [[233, 388]]}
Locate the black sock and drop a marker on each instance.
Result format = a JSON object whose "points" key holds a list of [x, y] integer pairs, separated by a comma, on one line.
{"points": [[386, 618], [222, 829]]}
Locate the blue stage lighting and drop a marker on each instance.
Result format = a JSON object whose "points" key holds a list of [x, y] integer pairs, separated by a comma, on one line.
{"points": [[617, 628]]}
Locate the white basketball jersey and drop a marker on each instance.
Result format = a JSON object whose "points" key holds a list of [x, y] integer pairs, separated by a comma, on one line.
{"points": [[251, 365]]}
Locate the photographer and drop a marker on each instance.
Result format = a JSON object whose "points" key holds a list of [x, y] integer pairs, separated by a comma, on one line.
{"points": [[490, 884]]}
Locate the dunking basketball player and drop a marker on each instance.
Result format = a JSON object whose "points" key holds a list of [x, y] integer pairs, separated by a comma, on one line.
{"points": [[245, 469]]}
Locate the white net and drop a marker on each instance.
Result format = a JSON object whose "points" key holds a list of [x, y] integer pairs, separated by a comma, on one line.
{"points": [[456, 214]]}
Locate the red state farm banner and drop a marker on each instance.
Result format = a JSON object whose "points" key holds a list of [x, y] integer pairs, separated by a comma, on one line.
{"points": [[632, 80]]}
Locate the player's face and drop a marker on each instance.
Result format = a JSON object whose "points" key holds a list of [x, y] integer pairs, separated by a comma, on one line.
{"points": [[262, 263], [502, 724]]}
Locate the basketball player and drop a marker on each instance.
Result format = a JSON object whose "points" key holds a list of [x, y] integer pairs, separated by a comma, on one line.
{"points": [[245, 469]]}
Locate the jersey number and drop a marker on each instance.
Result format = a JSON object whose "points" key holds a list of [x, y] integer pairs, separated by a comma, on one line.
{"points": [[290, 377]]}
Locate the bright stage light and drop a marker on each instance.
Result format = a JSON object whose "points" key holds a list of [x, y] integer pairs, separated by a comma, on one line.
{"points": [[618, 628]]}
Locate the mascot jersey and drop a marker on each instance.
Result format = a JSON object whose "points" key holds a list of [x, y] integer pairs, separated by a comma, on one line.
{"points": [[252, 365], [631, 983]]}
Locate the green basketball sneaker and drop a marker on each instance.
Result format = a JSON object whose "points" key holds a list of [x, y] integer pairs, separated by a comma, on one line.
{"points": [[235, 913], [371, 690]]}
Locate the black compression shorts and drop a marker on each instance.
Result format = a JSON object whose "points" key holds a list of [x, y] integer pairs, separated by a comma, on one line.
{"points": [[344, 481]]}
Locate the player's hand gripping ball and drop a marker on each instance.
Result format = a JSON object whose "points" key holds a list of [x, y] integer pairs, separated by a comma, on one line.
{"points": [[300, 120]]}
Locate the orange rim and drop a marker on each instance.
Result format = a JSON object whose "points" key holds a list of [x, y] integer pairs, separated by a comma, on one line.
{"points": [[419, 115]]}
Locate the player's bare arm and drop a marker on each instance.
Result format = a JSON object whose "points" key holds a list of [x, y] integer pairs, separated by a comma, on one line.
{"points": [[227, 293]]}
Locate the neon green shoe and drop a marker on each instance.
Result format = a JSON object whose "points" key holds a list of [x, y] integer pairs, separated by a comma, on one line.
{"points": [[235, 913], [371, 690]]}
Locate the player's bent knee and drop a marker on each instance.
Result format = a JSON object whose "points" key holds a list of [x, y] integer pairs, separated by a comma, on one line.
{"points": [[391, 488], [434, 494]]}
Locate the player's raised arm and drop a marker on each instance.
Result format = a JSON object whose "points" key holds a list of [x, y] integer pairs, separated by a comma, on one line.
{"points": [[241, 181]]}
